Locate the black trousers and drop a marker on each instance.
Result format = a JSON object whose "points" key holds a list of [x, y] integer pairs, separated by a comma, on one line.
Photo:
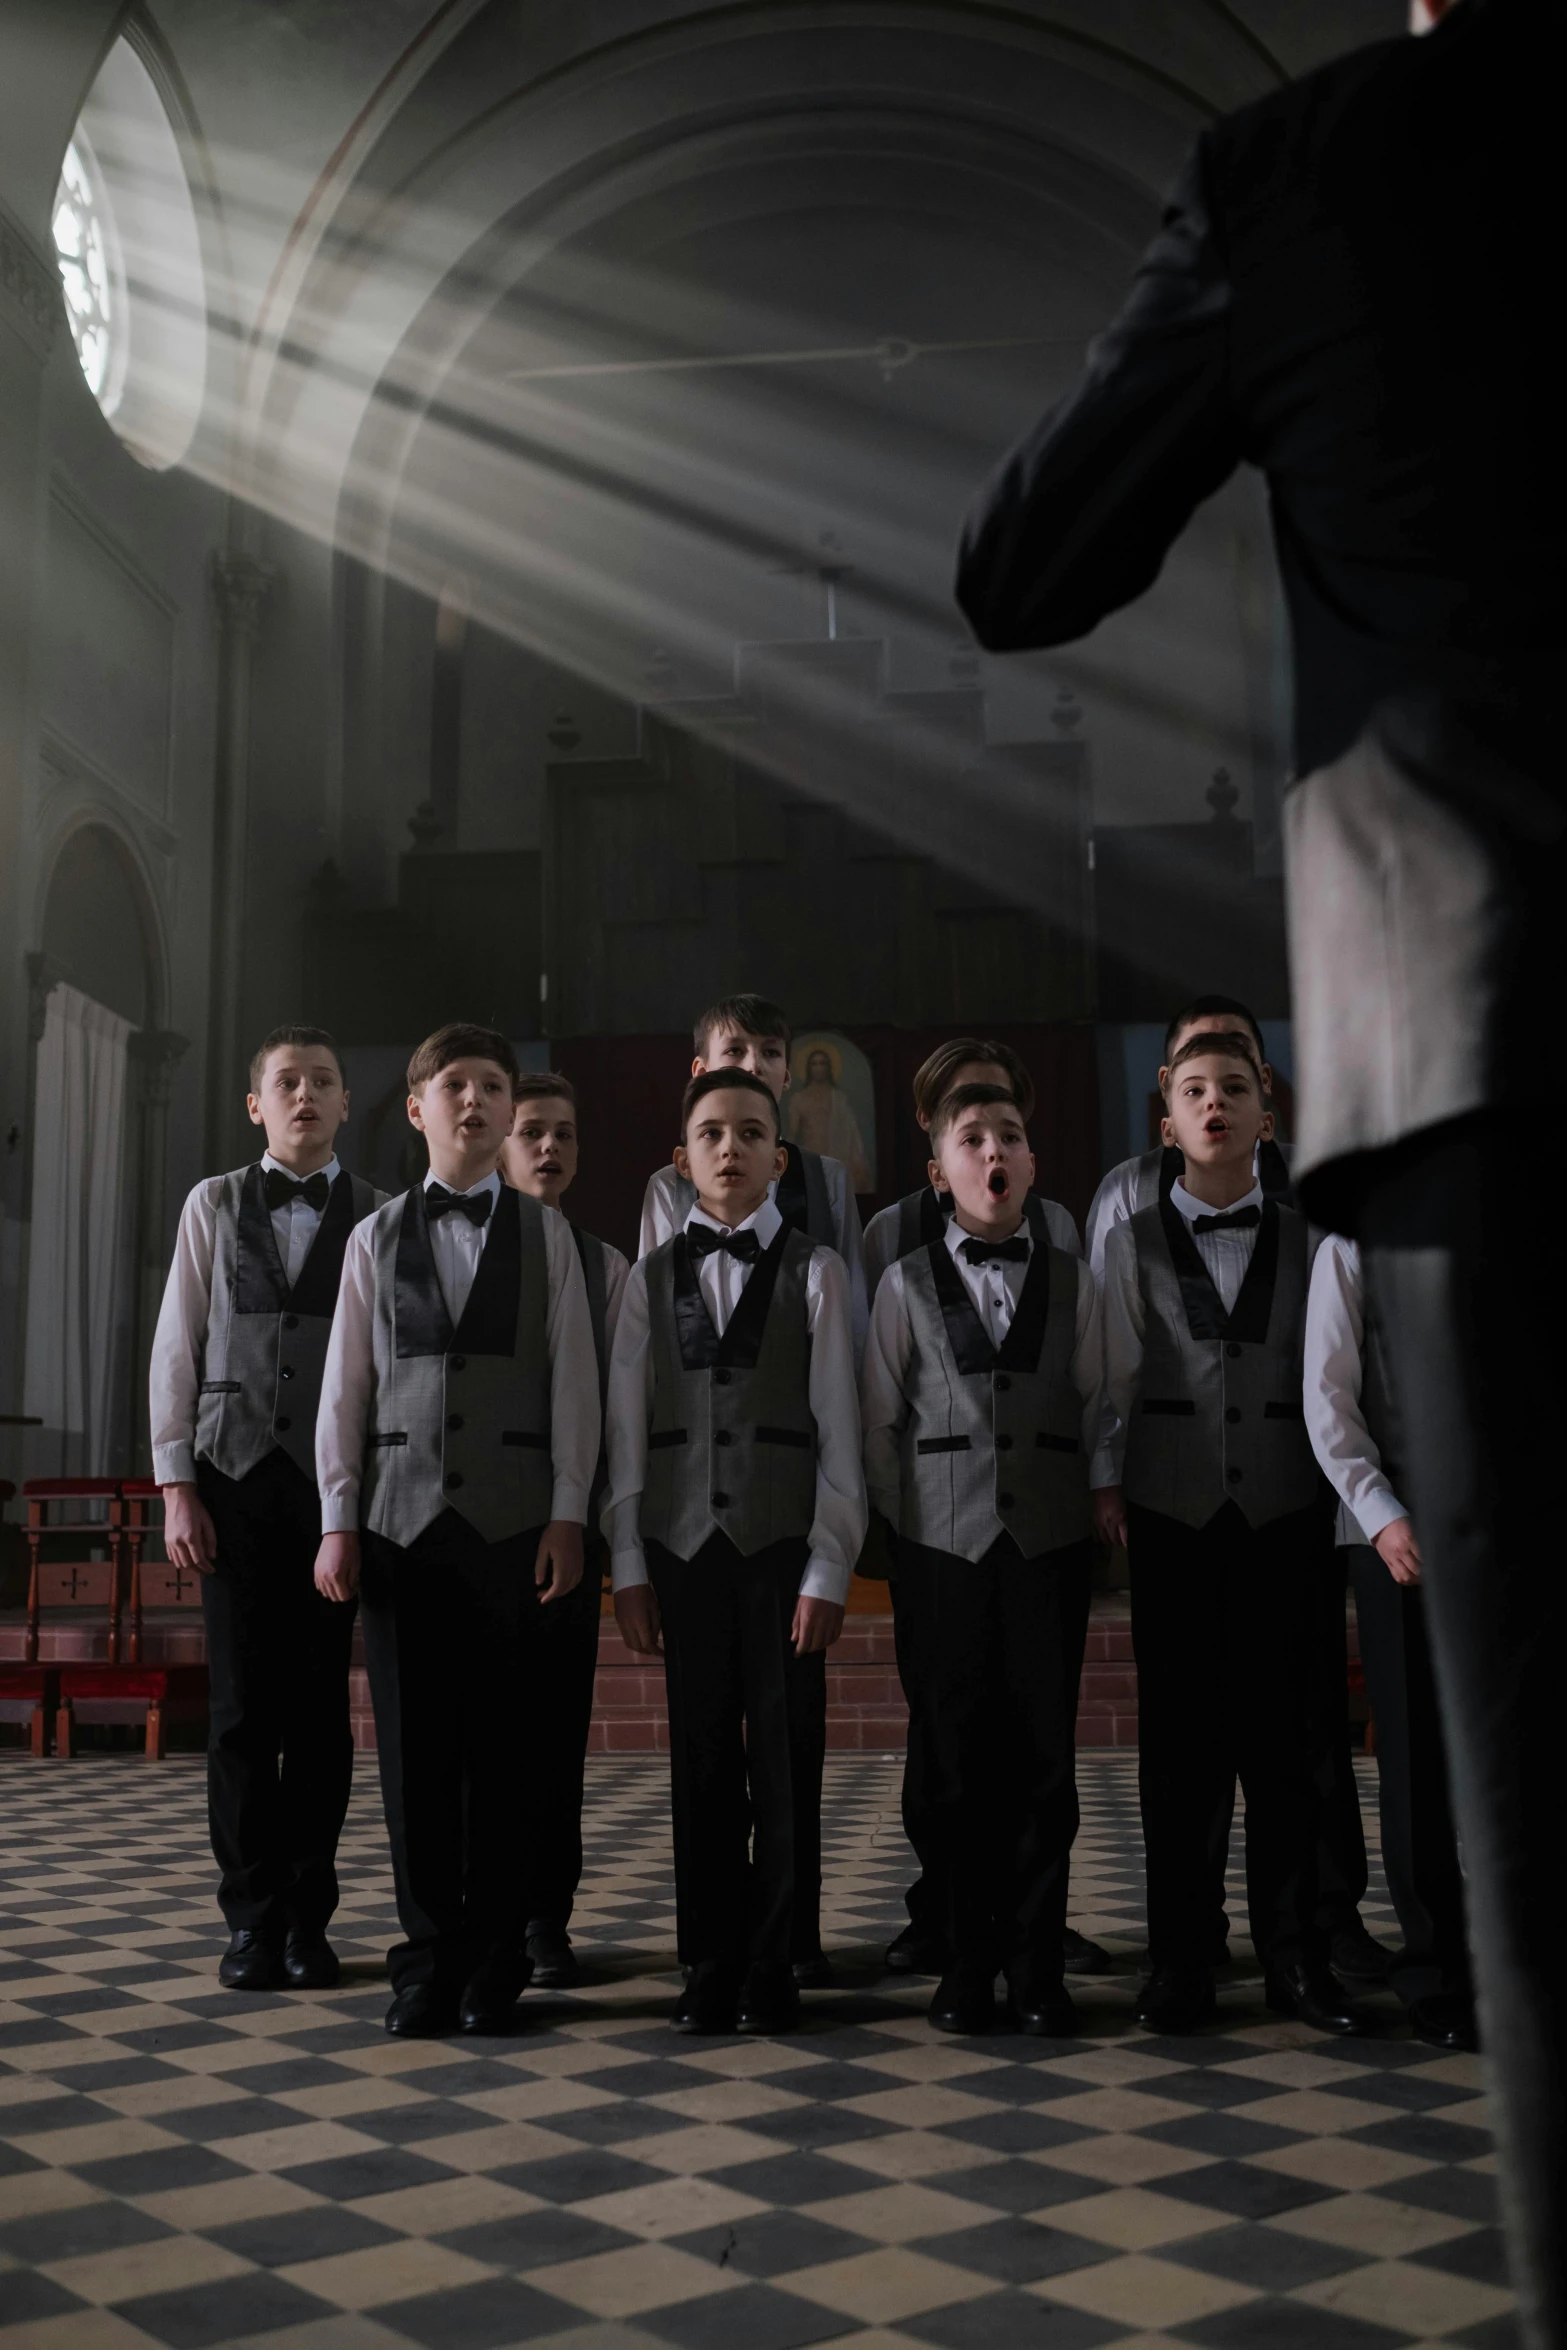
{"points": [[452, 1643], [925, 1900], [741, 1749], [1419, 1842], [1226, 1630], [998, 1646], [280, 1753], [555, 1738]]}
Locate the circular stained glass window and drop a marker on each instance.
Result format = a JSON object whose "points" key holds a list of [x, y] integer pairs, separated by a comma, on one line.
{"points": [[90, 277]]}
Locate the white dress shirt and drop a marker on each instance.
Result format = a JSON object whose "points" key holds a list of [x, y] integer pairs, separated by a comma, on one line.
{"points": [[174, 1372], [457, 1246], [1335, 1375], [1116, 1200], [995, 1289], [838, 1526], [666, 1205], [881, 1238], [1226, 1255]]}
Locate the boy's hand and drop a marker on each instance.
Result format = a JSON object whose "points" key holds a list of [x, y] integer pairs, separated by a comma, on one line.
{"points": [[1109, 1513], [189, 1536], [1399, 1552], [337, 1566], [817, 1624], [559, 1563], [636, 1612]]}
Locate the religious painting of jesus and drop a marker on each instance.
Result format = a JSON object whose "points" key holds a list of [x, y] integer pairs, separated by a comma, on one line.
{"points": [[830, 1106]]}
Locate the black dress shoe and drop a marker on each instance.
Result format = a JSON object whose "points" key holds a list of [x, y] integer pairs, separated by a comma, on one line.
{"points": [[489, 2001], [915, 1952], [554, 1961], [252, 1962], [309, 1961], [1446, 2019], [812, 1973], [1082, 1957], [769, 2002], [1043, 2009], [1356, 1954], [709, 2002], [1176, 1999], [421, 2012], [965, 2001], [1313, 1992]]}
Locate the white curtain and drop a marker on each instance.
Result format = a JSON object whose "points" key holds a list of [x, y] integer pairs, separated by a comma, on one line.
{"points": [[76, 1265]]}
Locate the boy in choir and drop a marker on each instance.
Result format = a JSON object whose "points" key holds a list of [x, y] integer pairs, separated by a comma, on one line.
{"points": [[1355, 1434], [813, 1195], [1138, 1183], [1206, 1473], [235, 1380], [455, 1450], [921, 1216], [980, 1401], [540, 1158], [911, 1223], [737, 1510]]}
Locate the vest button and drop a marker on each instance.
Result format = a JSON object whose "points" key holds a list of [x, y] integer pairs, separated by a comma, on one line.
{"points": [[1003, 1501], [1233, 1351], [287, 1371], [457, 1362], [454, 1421], [454, 1479], [720, 1378], [1232, 1413], [720, 1501], [1234, 1476], [723, 1436], [1003, 1443], [282, 1424], [291, 1321], [1003, 1383]]}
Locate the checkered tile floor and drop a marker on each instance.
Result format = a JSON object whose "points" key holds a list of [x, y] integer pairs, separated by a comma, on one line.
{"points": [[184, 2166]]}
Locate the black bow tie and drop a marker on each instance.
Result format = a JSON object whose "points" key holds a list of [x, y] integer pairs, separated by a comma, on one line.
{"points": [[475, 1205], [1239, 1220], [996, 1252], [702, 1241], [281, 1190]]}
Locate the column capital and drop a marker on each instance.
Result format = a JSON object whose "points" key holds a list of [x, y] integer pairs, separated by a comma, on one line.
{"points": [[156, 1051], [44, 972], [242, 583]]}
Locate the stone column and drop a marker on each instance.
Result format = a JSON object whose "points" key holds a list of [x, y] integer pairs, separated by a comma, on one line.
{"points": [[241, 582], [154, 1054]]}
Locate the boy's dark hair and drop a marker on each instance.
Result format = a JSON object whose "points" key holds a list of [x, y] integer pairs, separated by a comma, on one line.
{"points": [[952, 1105], [933, 1078], [535, 1084], [460, 1040], [752, 1015], [296, 1034], [708, 1081], [1208, 1007], [1233, 1043]]}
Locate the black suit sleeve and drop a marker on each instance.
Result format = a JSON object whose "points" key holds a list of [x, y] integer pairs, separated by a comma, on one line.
{"points": [[1079, 517]]}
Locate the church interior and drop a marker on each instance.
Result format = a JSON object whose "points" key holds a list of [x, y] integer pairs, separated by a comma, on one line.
{"points": [[480, 485]]}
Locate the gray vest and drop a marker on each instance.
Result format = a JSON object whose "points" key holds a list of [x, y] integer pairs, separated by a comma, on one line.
{"points": [[732, 1443], [1220, 1413], [802, 1197], [994, 1437], [460, 1418], [265, 1348]]}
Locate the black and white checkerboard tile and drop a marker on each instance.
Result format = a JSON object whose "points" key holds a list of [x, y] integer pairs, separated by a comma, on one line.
{"points": [[187, 2167]]}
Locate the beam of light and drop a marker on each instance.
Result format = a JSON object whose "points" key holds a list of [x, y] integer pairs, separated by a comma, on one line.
{"points": [[890, 354]]}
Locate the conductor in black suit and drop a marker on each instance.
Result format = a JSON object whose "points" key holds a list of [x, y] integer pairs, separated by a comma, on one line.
{"points": [[1353, 290]]}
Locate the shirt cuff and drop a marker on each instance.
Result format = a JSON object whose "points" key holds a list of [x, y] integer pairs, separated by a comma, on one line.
{"points": [[1377, 1512], [1106, 1470], [174, 1464], [340, 1513], [569, 1499], [627, 1569], [826, 1578]]}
